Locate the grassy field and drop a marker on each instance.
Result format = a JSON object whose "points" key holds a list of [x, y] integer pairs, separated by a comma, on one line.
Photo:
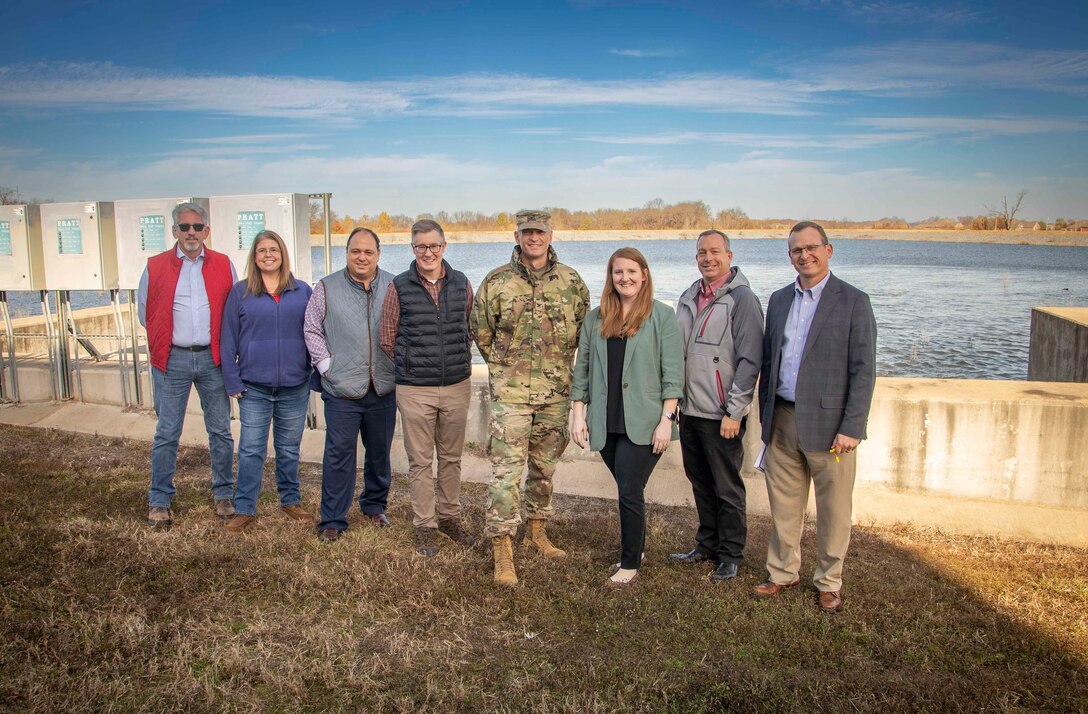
{"points": [[99, 613]]}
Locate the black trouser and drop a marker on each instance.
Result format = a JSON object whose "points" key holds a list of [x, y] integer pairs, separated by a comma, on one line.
{"points": [[712, 464], [631, 465]]}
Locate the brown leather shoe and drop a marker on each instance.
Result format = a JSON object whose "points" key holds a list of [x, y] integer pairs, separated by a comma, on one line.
{"points": [[296, 512], [769, 589], [380, 520], [329, 535], [159, 518], [830, 601], [451, 528], [224, 508], [239, 523]]}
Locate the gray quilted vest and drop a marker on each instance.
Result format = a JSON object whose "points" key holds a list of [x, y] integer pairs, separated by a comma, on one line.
{"points": [[352, 331]]}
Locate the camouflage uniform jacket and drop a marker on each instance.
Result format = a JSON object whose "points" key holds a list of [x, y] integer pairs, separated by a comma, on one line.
{"points": [[527, 330]]}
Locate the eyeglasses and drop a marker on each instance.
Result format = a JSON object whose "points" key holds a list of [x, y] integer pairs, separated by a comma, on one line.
{"points": [[435, 248], [806, 249], [197, 227]]}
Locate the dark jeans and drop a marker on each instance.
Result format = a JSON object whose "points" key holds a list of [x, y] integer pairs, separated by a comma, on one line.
{"points": [[373, 418], [631, 465], [713, 465]]}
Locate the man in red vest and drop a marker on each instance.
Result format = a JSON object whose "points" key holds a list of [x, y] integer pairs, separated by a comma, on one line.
{"points": [[181, 298]]}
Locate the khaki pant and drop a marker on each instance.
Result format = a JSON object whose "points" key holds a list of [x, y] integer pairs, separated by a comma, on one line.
{"points": [[434, 419], [789, 471]]}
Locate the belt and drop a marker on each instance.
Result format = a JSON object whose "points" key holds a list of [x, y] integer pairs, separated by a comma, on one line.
{"points": [[784, 402], [193, 348]]}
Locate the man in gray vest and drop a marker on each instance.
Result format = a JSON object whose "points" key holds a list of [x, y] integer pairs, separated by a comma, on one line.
{"points": [[342, 330], [425, 331]]}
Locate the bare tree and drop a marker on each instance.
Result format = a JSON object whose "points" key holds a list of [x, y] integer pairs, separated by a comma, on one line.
{"points": [[1004, 215], [9, 196]]}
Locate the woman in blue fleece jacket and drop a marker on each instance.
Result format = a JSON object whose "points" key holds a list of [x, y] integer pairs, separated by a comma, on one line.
{"points": [[267, 369]]}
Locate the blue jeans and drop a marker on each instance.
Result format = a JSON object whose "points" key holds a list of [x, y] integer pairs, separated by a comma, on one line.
{"points": [[284, 408], [183, 370], [374, 418]]}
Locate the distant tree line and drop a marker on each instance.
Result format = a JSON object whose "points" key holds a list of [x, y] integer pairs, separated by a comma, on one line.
{"points": [[683, 215]]}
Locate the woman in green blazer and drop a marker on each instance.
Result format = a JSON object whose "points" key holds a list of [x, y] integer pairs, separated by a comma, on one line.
{"points": [[627, 381]]}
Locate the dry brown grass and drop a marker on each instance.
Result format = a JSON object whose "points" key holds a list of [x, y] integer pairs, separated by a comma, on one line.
{"points": [[98, 612]]}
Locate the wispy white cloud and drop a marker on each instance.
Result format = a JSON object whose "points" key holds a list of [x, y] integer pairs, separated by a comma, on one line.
{"points": [[976, 126], [646, 53], [920, 67], [245, 138], [764, 141], [539, 131], [762, 185], [107, 87], [897, 12]]}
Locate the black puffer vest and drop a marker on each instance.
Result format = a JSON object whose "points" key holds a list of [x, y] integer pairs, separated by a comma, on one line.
{"points": [[432, 347]]}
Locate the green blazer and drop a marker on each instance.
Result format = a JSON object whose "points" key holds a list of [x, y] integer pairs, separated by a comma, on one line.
{"points": [[653, 371]]}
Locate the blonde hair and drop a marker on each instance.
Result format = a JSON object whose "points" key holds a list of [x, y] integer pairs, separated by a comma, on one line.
{"points": [[254, 280], [613, 323]]}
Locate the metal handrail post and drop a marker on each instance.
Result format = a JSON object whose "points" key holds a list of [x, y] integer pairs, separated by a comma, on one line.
{"points": [[122, 359], [51, 349], [132, 317], [69, 325], [13, 390]]}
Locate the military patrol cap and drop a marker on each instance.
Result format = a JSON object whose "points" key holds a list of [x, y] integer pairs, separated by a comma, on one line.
{"points": [[529, 219]]}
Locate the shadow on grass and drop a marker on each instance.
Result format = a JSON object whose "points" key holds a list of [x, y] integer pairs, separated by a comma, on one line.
{"points": [[98, 611]]}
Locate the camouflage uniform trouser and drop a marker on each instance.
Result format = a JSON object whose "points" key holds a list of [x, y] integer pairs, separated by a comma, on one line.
{"points": [[520, 431]]}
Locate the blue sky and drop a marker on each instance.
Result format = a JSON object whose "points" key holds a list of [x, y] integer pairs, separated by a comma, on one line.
{"points": [[786, 108]]}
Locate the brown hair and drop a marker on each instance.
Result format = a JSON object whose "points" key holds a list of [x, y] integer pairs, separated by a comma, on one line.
{"points": [[613, 323], [254, 280]]}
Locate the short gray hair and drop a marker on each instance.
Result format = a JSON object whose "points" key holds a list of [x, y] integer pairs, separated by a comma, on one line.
{"points": [[426, 225], [190, 207], [713, 232]]}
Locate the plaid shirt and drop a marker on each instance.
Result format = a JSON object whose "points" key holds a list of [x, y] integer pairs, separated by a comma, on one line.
{"points": [[391, 309]]}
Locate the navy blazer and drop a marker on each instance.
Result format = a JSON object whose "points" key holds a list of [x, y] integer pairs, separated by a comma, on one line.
{"points": [[837, 374]]}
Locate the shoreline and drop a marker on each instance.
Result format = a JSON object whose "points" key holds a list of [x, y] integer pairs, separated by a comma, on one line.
{"points": [[1054, 238]]}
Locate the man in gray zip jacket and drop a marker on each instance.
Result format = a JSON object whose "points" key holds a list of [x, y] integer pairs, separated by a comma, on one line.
{"points": [[343, 335], [721, 321]]}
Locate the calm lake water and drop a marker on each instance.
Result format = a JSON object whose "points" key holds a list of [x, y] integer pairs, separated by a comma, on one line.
{"points": [[944, 310]]}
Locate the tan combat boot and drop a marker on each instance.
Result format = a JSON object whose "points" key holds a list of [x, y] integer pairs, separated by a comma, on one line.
{"points": [[535, 537], [502, 548]]}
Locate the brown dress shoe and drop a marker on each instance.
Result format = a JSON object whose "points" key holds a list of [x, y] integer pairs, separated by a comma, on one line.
{"points": [[224, 508], [239, 523], [296, 512], [159, 518], [769, 589], [380, 520], [830, 601], [329, 535]]}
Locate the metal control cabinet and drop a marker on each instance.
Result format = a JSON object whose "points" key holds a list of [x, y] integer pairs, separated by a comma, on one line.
{"points": [[21, 264], [79, 245], [237, 219], [144, 229]]}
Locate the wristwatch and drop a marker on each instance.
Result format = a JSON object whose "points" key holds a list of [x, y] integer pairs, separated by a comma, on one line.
{"points": [[671, 416]]}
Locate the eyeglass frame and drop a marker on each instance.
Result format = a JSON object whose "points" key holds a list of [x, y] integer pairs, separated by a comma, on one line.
{"points": [[422, 249]]}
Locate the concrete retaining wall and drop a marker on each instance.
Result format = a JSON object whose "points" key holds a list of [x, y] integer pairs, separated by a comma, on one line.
{"points": [[978, 457], [1059, 344]]}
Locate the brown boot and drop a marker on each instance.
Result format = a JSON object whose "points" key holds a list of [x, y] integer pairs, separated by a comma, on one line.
{"points": [[536, 537], [502, 547], [239, 523], [451, 528]]}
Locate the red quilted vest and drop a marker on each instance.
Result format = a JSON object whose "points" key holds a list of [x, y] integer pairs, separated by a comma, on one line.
{"points": [[163, 272]]}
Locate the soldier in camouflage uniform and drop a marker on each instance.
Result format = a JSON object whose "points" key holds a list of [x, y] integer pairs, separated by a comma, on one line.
{"points": [[525, 320]]}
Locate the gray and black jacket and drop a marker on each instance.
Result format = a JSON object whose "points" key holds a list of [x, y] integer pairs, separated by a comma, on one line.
{"points": [[723, 349]]}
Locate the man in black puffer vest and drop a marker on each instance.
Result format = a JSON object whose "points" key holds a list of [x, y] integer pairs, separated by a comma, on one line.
{"points": [[425, 331]]}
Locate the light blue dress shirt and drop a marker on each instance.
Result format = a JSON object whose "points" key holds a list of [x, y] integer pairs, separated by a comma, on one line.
{"points": [[796, 334], [192, 313]]}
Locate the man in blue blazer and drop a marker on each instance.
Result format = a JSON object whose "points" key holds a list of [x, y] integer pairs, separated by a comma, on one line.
{"points": [[815, 389]]}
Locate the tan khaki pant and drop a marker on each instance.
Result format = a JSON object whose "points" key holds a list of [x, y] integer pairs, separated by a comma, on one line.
{"points": [[789, 471], [433, 419]]}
